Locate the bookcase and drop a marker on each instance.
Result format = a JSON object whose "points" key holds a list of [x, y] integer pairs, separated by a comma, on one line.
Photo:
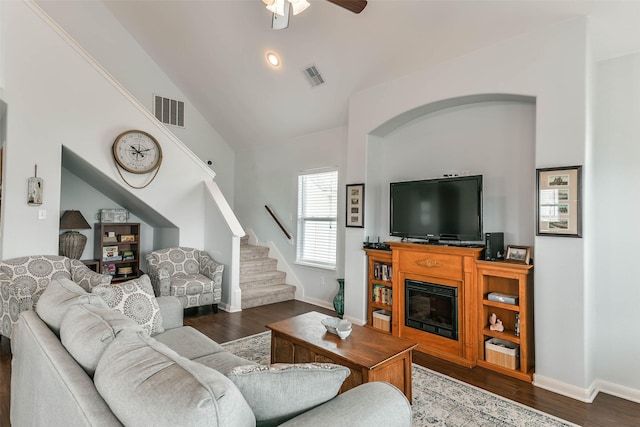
{"points": [[117, 249], [506, 289], [379, 289]]}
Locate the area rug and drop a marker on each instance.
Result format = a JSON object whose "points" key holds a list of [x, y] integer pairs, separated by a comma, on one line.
{"points": [[438, 400]]}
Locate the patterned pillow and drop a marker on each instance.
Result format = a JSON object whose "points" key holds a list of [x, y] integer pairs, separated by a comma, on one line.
{"points": [[281, 391], [134, 299]]}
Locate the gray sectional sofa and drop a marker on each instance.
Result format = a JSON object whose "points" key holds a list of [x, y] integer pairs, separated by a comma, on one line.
{"points": [[113, 357]]}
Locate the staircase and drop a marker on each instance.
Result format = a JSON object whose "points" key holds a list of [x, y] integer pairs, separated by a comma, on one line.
{"points": [[260, 282]]}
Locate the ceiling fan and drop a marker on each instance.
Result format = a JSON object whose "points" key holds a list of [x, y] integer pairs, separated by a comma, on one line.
{"points": [[283, 8]]}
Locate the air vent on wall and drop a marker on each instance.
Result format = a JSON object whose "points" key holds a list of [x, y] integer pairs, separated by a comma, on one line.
{"points": [[169, 111], [313, 75]]}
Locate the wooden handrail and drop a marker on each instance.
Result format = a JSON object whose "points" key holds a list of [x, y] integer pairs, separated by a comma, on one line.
{"points": [[273, 215]]}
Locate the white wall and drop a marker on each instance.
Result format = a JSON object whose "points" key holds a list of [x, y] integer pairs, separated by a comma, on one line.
{"points": [[549, 65], [268, 176], [57, 97], [616, 225], [93, 26], [493, 139]]}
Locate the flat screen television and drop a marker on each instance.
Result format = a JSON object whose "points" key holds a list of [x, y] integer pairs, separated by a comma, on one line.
{"points": [[442, 209]]}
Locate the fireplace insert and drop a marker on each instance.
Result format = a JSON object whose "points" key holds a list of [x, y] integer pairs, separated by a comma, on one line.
{"points": [[432, 308]]}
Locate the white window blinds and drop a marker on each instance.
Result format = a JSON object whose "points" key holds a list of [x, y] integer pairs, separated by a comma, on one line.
{"points": [[317, 219]]}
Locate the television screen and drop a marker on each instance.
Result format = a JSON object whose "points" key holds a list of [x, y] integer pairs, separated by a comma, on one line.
{"points": [[437, 209]]}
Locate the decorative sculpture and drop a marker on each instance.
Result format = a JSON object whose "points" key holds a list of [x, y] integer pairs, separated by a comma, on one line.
{"points": [[495, 324]]}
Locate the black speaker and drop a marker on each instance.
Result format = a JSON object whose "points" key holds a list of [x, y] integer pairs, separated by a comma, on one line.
{"points": [[493, 246]]}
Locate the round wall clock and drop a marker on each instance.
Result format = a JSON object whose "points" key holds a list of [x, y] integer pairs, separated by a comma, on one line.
{"points": [[137, 152]]}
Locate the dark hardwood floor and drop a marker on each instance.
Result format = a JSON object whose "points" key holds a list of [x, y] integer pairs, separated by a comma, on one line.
{"points": [[605, 411]]}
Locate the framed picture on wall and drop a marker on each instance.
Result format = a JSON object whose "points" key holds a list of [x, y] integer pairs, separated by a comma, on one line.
{"points": [[355, 205], [559, 204]]}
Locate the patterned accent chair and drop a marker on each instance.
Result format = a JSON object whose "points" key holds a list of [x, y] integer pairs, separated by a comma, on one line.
{"points": [[22, 281], [189, 274]]}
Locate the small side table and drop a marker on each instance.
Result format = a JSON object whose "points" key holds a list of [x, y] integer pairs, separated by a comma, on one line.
{"points": [[91, 263]]}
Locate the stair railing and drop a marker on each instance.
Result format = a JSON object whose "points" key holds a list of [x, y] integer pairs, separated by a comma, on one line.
{"points": [[275, 218]]}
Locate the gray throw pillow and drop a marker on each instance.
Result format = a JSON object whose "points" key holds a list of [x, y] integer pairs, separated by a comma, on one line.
{"points": [[86, 331], [136, 300], [281, 391], [145, 383], [58, 296]]}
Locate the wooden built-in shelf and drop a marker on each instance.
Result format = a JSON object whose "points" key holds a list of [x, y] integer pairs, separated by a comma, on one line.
{"points": [[461, 268]]}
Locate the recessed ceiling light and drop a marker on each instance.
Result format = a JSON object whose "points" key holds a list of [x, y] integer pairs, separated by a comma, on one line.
{"points": [[273, 59]]}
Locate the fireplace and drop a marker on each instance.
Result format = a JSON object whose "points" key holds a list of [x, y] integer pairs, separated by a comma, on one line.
{"points": [[432, 308]]}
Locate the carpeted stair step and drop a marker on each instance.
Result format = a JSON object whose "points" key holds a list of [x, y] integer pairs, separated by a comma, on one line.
{"points": [[257, 265], [254, 297], [250, 252], [262, 279]]}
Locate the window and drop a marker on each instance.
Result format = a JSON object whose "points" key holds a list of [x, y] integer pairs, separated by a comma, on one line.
{"points": [[317, 219]]}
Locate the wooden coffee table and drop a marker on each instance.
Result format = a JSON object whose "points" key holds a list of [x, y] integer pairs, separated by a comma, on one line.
{"points": [[370, 355]]}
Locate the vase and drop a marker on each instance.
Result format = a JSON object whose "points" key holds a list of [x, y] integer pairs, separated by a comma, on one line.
{"points": [[338, 300]]}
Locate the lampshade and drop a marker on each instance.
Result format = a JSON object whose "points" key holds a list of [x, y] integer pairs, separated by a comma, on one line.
{"points": [[73, 220], [279, 6], [299, 6]]}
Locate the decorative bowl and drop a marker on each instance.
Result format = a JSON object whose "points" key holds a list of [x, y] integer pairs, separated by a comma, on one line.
{"points": [[334, 323], [344, 330]]}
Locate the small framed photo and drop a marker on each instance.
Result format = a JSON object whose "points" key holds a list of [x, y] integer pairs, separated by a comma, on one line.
{"points": [[127, 238], [559, 205], [355, 205], [518, 254]]}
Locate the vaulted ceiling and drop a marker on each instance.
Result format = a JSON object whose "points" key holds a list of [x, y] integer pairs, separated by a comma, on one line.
{"points": [[214, 50]]}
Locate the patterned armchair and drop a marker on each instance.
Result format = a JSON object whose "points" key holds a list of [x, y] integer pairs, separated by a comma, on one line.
{"points": [[189, 274], [22, 281]]}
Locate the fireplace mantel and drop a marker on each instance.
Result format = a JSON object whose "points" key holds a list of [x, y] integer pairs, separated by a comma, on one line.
{"points": [[445, 265]]}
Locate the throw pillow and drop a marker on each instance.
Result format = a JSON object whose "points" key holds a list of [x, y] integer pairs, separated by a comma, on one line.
{"points": [[134, 299], [86, 331], [58, 296], [281, 391], [145, 383]]}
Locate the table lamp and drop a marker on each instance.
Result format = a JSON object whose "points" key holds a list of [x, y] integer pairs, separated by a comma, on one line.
{"points": [[72, 243]]}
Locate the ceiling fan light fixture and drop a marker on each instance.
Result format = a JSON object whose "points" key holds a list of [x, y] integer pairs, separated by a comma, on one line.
{"points": [[276, 7], [268, 2], [299, 6]]}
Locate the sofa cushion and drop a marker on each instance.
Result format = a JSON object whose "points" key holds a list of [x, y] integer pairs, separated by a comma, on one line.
{"points": [[134, 299], [165, 389], [223, 362], [86, 331], [281, 391], [61, 294], [189, 342]]}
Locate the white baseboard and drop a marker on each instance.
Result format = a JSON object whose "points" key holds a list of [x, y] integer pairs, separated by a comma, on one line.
{"points": [[589, 394], [574, 392], [618, 391], [329, 306]]}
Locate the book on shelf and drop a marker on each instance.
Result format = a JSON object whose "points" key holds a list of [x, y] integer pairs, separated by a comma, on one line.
{"points": [[382, 294], [109, 269], [112, 258], [382, 271], [109, 252]]}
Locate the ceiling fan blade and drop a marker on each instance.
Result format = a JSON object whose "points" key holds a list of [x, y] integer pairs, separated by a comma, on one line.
{"points": [[355, 6]]}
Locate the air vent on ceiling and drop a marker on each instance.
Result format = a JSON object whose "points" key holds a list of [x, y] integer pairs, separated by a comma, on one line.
{"points": [[169, 111], [313, 75]]}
